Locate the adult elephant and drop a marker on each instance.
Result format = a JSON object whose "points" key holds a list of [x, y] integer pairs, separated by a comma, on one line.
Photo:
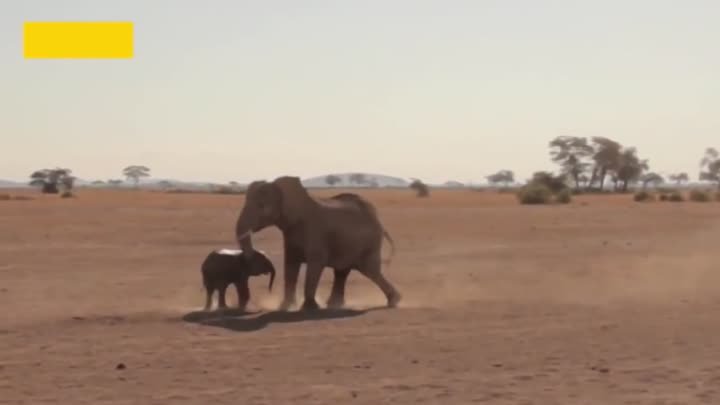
{"points": [[342, 232]]}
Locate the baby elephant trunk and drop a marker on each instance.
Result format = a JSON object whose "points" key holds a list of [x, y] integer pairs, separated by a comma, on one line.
{"points": [[272, 277]]}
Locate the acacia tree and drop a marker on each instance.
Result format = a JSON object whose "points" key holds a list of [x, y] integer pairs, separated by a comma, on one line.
{"points": [[332, 180], [679, 178], [710, 166], [606, 158], [572, 154], [420, 188], [651, 178], [135, 172], [49, 180], [503, 176], [629, 168]]}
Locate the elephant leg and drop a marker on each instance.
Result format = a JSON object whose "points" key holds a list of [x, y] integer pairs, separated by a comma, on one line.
{"points": [[312, 279], [372, 270], [221, 297], [208, 298], [337, 296], [243, 293], [292, 270]]}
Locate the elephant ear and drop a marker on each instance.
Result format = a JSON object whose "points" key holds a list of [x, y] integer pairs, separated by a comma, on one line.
{"points": [[254, 186], [294, 197]]}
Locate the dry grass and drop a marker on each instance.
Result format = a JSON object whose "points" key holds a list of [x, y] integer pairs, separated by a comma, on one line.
{"points": [[599, 301]]}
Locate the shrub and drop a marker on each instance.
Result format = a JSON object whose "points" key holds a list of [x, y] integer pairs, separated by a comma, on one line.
{"points": [[9, 197], [699, 196], [534, 194], [555, 184], [181, 191], [663, 197], [564, 196], [645, 196], [227, 190], [67, 194], [675, 196], [421, 189]]}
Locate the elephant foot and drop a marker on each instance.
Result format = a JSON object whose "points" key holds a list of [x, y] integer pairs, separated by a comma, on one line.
{"points": [[335, 303], [286, 305], [310, 305], [394, 300]]}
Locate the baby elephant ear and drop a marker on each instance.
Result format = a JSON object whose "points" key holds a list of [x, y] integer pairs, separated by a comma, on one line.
{"points": [[254, 186], [294, 196]]}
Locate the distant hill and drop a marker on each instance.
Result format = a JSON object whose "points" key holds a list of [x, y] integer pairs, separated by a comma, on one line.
{"points": [[148, 183], [346, 180], [12, 184]]}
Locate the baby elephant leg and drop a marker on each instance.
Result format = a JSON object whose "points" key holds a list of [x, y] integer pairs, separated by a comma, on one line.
{"points": [[208, 298], [221, 297]]}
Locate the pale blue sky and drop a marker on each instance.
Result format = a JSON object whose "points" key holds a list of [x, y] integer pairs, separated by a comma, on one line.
{"points": [[237, 90]]}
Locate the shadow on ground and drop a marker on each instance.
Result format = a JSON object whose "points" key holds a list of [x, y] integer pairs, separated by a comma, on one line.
{"points": [[244, 321]]}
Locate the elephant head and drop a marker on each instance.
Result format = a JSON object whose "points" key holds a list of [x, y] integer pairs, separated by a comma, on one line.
{"points": [[260, 265], [280, 203]]}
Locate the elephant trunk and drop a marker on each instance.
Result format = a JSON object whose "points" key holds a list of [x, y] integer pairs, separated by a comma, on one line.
{"points": [[243, 235], [272, 278]]}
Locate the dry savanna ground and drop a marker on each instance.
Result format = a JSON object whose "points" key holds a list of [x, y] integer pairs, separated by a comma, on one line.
{"points": [[603, 301]]}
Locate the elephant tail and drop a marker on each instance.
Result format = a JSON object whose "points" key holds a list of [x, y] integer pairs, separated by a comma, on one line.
{"points": [[392, 247]]}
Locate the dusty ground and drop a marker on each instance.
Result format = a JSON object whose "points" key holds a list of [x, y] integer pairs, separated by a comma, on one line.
{"points": [[604, 301]]}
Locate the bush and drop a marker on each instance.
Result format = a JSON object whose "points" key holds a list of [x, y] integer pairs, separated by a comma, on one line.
{"points": [[675, 196], [8, 197], [645, 196], [663, 197], [534, 194], [554, 183], [564, 196], [699, 196], [227, 190], [181, 191], [67, 194], [421, 189]]}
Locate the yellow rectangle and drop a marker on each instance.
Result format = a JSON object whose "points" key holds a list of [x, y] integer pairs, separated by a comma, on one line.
{"points": [[78, 40]]}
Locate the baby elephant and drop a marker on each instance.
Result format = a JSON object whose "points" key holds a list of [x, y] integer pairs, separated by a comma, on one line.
{"points": [[228, 266]]}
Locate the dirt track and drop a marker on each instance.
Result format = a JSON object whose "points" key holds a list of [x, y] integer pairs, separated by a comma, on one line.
{"points": [[604, 301]]}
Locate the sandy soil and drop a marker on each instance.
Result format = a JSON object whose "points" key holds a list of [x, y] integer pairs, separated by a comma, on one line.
{"points": [[604, 301]]}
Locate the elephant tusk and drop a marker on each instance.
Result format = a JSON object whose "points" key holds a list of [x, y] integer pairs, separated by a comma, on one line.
{"points": [[244, 235]]}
